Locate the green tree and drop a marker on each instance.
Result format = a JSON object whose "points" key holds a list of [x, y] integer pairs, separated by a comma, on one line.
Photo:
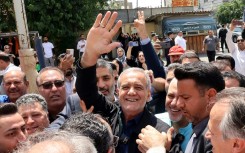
{"points": [[230, 10], [60, 20]]}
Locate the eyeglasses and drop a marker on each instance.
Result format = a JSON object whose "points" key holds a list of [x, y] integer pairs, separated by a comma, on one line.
{"points": [[49, 85], [16, 83], [115, 141], [240, 40]]}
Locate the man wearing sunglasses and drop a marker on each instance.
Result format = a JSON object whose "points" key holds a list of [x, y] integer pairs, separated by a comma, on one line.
{"points": [[237, 50], [50, 82]]}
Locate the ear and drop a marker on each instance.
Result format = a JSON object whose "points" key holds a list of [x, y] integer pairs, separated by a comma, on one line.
{"points": [[149, 96], [211, 93], [239, 146]]}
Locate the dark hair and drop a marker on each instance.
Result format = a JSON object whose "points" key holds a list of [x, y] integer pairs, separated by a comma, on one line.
{"points": [[120, 66], [91, 126], [204, 74], [113, 66], [221, 65], [228, 58], [188, 55], [5, 58], [232, 75], [8, 109]]}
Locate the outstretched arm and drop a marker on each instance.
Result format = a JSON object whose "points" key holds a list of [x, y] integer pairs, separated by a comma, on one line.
{"points": [[152, 60], [99, 38]]}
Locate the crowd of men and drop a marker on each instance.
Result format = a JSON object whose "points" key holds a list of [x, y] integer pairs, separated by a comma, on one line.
{"points": [[132, 104]]}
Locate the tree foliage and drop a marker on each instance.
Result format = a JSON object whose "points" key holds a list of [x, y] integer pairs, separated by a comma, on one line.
{"points": [[230, 10], [60, 20]]}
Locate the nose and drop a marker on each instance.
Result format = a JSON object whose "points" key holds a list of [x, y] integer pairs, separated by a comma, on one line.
{"points": [[29, 120], [21, 137], [100, 83], [54, 88], [179, 103], [131, 91], [12, 85], [174, 102]]}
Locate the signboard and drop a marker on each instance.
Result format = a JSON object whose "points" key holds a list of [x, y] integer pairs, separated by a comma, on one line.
{"points": [[179, 3]]}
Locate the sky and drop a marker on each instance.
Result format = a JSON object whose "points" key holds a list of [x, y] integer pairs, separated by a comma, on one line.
{"points": [[147, 3]]}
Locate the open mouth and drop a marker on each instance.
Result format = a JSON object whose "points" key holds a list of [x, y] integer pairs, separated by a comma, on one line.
{"points": [[131, 100]]}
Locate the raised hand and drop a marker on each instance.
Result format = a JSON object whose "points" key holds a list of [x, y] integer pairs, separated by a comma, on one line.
{"points": [[99, 38], [140, 25]]}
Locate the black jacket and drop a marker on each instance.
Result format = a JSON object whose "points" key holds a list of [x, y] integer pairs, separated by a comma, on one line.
{"points": [[88, 91]]}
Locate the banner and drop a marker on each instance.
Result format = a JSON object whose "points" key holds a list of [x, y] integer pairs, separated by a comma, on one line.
{"points": [[179, 3]]}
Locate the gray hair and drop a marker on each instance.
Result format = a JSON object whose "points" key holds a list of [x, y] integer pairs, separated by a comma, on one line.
{"points": [[138, 70], [32, 98], [232, 124], [76, 143], [47, 69], [104, 64]]}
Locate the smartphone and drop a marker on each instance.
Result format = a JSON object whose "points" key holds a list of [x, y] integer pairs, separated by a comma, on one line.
{"points": [[70, 51], [135, 43]]}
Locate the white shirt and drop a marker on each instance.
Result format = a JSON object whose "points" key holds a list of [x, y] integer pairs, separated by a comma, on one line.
{"points": [[180, 41], [80, 46], [70, 85], [238, 55], [47, 47]]}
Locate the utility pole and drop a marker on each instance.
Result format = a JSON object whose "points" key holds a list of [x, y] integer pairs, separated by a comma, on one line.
{"points": [[26, 54]]}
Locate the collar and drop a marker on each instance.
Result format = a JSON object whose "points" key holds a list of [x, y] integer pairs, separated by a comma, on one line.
{"points": [[198, 129]]}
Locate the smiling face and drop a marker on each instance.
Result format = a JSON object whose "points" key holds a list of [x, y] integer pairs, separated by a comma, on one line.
{"points": [[14, 85], [175, 113], [192, 101], [214, 133], [56, 96], [36, 119], [133, 93], [12, 131], [240, 43], [105, 81]]}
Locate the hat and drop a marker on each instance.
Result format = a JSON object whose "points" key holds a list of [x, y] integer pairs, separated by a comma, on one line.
{"points": [[176, 50]]}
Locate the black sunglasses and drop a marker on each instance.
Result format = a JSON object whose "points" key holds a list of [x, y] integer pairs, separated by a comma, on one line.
{"points": [[49, 85], [240, 40]]}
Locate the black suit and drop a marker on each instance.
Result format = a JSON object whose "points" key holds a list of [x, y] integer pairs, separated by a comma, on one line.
{"points": [[88, 91], [222, 36]]}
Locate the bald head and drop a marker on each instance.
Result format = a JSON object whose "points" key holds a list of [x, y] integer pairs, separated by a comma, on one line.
{"points": [[15, 84]]}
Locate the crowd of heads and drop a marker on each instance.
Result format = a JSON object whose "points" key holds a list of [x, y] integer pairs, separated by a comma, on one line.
{"points": [[195, 91]]}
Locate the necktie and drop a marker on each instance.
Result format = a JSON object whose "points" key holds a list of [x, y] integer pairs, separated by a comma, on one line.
{"points": [[190, 145]]}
